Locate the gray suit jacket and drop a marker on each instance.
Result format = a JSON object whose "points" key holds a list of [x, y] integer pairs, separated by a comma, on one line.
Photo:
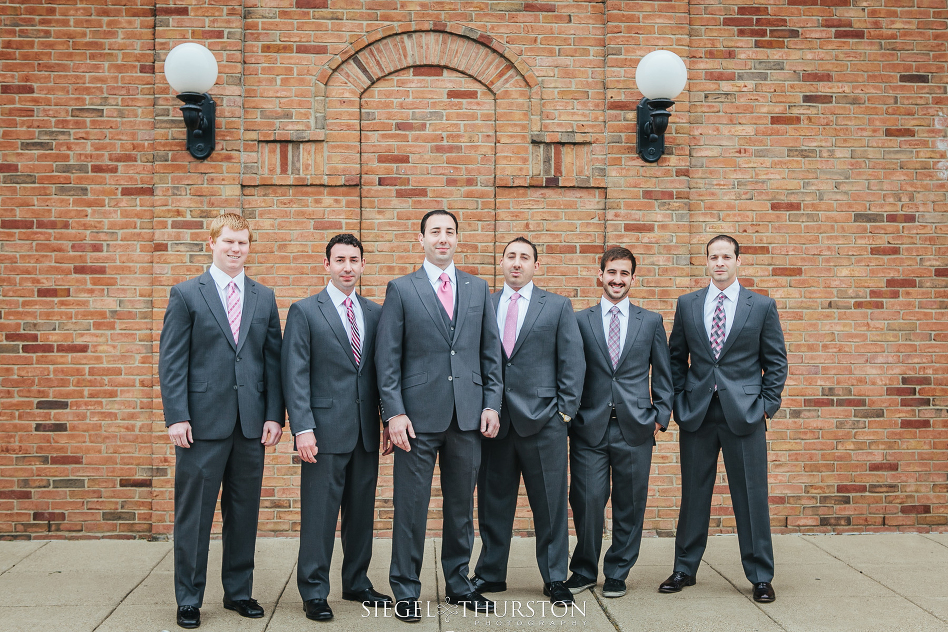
{"points": [[426, 371], [750, 372], [325, 390], [206, 378], [544, 373], [626, 388]]}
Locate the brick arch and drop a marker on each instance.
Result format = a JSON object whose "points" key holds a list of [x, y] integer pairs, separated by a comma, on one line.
{"points": [[391, 49]]}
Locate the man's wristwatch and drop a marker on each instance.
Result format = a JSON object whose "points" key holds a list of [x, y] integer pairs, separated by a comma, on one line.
{"points": [[566, 418]]}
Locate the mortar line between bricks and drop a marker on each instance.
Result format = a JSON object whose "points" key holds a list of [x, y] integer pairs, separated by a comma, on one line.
{"points": [[750, 599], [132, 589], [864, 574], [26, 556], [279, 597]]}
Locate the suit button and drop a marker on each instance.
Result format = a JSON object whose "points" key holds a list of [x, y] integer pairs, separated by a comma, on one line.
{"points": [[508, 364], [715, 366], [508, 390], [238, 359], [450, 378], [358, 401], [609, 404], [235, 387], [453, 351], [614, 379]]}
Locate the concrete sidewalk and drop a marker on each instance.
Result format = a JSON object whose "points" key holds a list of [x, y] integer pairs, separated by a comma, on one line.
{"points": [[833, 583]]}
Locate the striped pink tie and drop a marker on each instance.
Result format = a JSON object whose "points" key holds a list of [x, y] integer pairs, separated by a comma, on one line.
{"points": [[233, 310]]}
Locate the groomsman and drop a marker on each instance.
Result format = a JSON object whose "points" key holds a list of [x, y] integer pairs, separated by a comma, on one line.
{"points": [[333, 403], [219, 367], [543, 369], [729, 365], [440, 380], [615, 429]]}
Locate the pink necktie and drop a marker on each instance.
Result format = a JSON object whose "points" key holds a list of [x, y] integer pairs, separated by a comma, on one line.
{"points": [[614, 332], [510, 325], [233, 310], [354, 339], [445, 295]]}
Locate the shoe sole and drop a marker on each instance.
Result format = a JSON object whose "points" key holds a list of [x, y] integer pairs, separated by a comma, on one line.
{"points": [[491, 589], [765, 600], [320, 618], [613, 594], [580, 589], [189, 626], [245, 616]]}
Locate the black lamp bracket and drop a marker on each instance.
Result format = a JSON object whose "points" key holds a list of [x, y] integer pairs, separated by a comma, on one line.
{"points": [[652, 121], [199, 113]]}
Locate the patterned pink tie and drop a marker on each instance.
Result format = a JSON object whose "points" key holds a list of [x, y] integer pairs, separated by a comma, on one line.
{"points": [[233, 310], [445, 295], [717, 327], [614, 332], [354, 338], [510, 325]]}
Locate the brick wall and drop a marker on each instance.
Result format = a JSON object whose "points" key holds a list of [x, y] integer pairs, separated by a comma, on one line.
{"points": [[813, 130]]}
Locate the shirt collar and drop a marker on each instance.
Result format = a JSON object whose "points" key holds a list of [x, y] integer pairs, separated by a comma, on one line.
{"points": [[337, 296], [221, 278], [623, 306], [731, 292], [525, 292], [434, 272]]}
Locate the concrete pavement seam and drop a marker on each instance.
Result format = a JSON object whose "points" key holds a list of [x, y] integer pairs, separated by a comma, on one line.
{"points": [[435, 559], [39, 548], [939, 542], [132, 589], [605, 611], [863, 573], [279, 597], [741, 593]]}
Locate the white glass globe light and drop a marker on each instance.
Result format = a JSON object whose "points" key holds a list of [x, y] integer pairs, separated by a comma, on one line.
{"points": [[191, 68], [661, 75]]}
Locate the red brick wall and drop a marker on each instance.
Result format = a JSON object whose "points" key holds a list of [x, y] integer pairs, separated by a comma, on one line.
{"points": [[813, 130]]}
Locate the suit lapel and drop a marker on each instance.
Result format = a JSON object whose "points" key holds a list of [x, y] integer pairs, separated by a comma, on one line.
{"points": [[595, 322], [533, 311], [464, 298], [635, 323], [213, 300], [246, 313], [430, 300], [744, 300], [697, 311], [368, 337], [335, 323]]}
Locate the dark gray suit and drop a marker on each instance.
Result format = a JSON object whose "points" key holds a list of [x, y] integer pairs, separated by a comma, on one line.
{"points": [[217, 385], [327, 392], [750, 374], [542, 377], [614, 430], [442, 373]]}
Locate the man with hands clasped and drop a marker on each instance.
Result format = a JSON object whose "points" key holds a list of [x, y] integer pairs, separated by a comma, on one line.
{"points": [[329, 382], [219, 367], [438, 359]]}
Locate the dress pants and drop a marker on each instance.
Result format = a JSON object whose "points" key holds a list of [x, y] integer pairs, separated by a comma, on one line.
{"points": [[745, 459], [589, 491], [200, 470], [337, 481], [542, 459], [459, 455]]}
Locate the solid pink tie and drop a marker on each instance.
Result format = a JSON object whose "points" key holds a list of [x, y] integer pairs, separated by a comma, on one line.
{"points": [[445, 295], [510, 325], [233, 310]]}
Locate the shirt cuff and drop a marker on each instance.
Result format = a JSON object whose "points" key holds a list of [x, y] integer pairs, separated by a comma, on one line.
{"points": [[302, 432]]}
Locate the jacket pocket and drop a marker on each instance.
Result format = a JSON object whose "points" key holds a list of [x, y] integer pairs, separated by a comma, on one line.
{"points": [[259, 321], [644, 402], [753, 389], [690, 385], [261, 387], [320, 402], [546, 392], [197, 387], [414, 380], [477, 378]]}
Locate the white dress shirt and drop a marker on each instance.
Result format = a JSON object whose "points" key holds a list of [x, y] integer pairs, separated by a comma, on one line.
{"points": [[522, 304], [338, 298], [731, 293], [222, 280], [624, 308], [434, 276]]}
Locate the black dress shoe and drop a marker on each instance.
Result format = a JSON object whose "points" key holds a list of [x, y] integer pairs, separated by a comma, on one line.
{"points": [[676, 582], [481, 585], [244, 607], [613, 588], [317, 610], [764, 592], [473, 601], [189, 616], [408, 610], [369, 595], [578, 583], [558, 593]]}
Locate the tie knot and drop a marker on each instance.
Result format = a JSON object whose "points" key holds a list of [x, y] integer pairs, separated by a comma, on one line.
{"points": [[721, 297], [515, 296], [444, 278], [347, 302], [615, 310]]}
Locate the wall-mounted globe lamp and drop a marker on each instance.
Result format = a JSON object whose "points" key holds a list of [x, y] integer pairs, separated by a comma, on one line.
{"points": [[191, 70], [660, 77]]}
